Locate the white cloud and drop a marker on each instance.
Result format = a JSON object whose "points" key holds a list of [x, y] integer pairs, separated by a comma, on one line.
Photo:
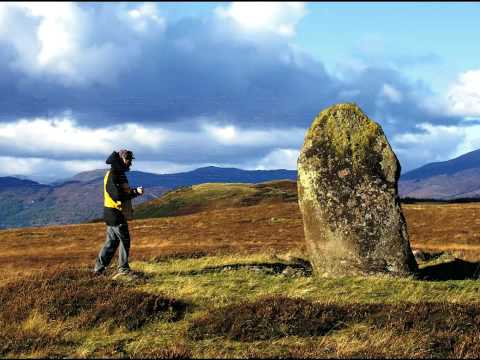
{"points": [[279, 159], [62, 136], [164, 167], [463, 97], [48, 169], [432, 133], [392, 94], [68, 43], [277, 17], [156, 147], [230, 135], [145, 17], [435, 143]]}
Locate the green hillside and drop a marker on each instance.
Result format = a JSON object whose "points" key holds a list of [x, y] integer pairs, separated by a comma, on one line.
{"points": [[210, 196]]}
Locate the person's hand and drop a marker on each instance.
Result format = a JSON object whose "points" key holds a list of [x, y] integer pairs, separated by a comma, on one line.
{"points": [[140, 190]]}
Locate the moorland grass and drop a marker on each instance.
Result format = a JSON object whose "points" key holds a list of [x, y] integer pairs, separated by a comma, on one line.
{"points": [[73, 298], [195, 198], [239, 310]]}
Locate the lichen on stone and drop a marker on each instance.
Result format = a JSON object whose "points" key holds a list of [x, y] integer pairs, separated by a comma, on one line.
{"points": [[347, 186], [345, 129]]}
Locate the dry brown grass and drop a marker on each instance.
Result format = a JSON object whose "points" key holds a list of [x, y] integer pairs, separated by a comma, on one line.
{"points": [[73, 298], [442, 330], [61, 295], [445, 227], [266, 227], [32, 308]]}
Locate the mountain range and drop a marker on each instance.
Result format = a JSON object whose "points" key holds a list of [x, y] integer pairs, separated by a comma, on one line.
{"points": [[447, 180], [80, 198]]}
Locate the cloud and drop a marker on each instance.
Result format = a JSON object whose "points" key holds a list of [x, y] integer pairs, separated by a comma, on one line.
{"points": [[62, 137], [279, 159], [391, 94], [206, 141], [280, 18], [230, 135], [463, 96], [435, 143], [211, 90], [72, 44], [111, 72], [46, 170], [146, 17]]}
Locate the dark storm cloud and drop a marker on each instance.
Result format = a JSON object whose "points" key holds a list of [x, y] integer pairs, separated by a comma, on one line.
{"points": [[198, 67], [191, 69], [399, 113]]}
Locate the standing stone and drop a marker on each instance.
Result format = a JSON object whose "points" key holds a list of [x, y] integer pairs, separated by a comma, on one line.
{"points": [[347, 192]]}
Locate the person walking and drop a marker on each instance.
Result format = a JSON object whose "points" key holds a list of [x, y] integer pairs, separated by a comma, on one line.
{"points": [[117, 210]]}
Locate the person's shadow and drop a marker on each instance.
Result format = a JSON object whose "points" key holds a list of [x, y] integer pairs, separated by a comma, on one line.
{"points": [[453, 270]]}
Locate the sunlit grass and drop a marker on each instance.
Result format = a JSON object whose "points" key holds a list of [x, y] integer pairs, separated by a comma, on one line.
{"points": [[206, 285], [231, 286]]}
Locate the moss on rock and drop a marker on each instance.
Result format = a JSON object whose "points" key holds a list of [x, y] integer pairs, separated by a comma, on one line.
{"points": [[347, 192]]}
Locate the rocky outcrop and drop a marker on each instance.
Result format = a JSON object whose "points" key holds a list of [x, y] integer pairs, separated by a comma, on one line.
{"points": [[347, 189]]}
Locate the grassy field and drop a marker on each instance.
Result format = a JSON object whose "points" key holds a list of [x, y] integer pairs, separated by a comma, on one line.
{"points": [[233, 282]]}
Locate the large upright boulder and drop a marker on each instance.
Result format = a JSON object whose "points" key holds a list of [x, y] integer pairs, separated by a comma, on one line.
{"points": [[347, 192]]}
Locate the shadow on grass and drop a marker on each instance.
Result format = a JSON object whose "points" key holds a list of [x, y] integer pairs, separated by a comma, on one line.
{"points": [[294, 269], [453, 270]]}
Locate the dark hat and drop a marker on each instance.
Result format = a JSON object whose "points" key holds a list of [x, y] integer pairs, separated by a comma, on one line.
{"points": [[126, 154]]}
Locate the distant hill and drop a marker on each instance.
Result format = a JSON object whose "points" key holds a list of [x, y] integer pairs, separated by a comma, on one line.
{"points": [[80, 198], [211, 196], [452, 179], [13, 182]]}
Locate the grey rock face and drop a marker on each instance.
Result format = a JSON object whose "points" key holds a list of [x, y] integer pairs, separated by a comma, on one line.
{"points": [[347, 192]]}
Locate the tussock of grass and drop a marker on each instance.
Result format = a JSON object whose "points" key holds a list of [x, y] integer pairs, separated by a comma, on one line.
{"points": [[15, 340], [76, 296], [72, 292], [449, 326], [174, 351], [265, 319]]}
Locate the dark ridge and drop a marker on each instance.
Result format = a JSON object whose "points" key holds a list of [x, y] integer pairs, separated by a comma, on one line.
{"points": [[409, 200], [209, 174], [464, 162], [12, 182]]}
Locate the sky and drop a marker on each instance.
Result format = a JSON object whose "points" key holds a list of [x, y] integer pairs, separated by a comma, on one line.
{"points": [[187, 85]]}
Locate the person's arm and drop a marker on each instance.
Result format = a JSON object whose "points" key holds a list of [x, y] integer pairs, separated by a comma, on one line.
{"points": [[118, 188], [129, 193]]}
